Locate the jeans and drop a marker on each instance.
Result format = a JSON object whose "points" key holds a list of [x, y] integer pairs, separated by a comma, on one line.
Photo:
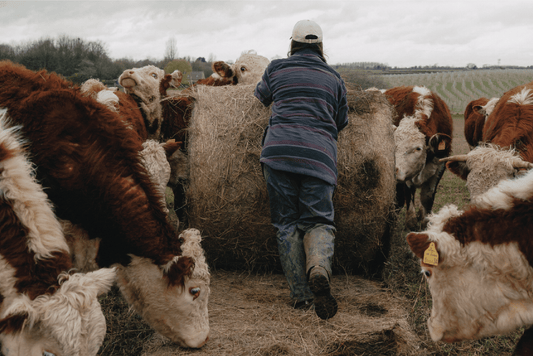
{"points": [[301, 209]]}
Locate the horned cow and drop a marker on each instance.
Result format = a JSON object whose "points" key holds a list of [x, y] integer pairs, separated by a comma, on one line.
{"points": [[508, 143]]}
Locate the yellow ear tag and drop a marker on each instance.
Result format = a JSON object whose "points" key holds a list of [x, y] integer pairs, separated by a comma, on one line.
{"points": [[442, 145], [431, 256]]}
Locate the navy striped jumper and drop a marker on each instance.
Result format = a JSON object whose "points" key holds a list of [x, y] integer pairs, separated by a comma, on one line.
{"points": [[309, 109]]}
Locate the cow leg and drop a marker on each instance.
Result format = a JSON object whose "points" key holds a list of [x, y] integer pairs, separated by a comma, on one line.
{"points": [[401, 193], [180, 202], [411, 221], [525, 344], [427, 195]]}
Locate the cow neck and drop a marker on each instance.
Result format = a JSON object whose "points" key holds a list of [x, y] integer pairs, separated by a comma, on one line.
{"points": [[495, 227], [33, 277]]}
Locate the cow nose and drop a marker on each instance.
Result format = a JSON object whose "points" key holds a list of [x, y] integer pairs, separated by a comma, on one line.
{"points": [[205, 341]]}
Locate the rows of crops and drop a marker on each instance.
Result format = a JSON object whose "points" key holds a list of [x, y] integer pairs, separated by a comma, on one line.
{"points": [[458, 88]]}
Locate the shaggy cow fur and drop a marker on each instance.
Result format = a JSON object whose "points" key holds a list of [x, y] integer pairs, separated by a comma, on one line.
{"points": [[89, 162], [42, 308], [510, 124], [476, 114], [508, 131], [483, 282], [485, 166]]}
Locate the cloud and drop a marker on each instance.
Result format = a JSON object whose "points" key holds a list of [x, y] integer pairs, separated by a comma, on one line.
{"points": [[396, 32]]}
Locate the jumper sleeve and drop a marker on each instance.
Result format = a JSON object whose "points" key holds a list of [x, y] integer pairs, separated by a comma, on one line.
{"points": [[262, 90], [342, 113]]}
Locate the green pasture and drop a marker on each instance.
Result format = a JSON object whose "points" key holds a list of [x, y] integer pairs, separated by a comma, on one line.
{"points": [[458, 88]]}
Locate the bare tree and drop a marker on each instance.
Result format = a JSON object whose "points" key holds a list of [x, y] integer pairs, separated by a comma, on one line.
{"points": [[172, 50]]}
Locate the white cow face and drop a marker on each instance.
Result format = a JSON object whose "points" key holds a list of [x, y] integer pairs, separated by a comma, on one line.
{"points": [[411, 149], [143, 84], [477, 290], [249, 68], [486, 166], [178, 312], [68, 323]]}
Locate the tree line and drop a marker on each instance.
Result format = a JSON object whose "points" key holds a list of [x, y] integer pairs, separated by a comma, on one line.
{"points": [[78, 60]]}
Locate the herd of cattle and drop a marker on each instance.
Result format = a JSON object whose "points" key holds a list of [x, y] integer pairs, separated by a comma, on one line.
{"points": [[83, 176]]}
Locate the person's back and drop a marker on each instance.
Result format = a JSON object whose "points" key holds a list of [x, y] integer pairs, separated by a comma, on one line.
{"points": [[304, 125], [299, 160]]}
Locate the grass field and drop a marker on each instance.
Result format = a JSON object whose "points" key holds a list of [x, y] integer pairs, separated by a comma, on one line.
{"points": [[458, 88]]}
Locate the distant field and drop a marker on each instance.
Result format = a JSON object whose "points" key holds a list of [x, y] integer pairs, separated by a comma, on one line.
{"points": [[458, 88]]}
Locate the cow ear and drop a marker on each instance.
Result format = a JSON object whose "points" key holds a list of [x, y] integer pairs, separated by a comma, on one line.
{"points": [[165, 84], [177, 77], [419, 243], [477, 109], [223, 69], [14, 323], [459, 168], [440, 145], [178, 270], [171, 146]]}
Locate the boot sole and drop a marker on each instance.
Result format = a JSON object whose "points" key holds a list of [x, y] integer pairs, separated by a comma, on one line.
{"points": [[325, 303]]}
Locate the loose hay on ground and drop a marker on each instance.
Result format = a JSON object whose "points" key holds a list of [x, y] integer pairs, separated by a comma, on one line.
{"points": [[252, 315], [227, 197]]}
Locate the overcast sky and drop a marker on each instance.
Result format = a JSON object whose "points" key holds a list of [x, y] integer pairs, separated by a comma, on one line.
{"points": [[396, 32]]}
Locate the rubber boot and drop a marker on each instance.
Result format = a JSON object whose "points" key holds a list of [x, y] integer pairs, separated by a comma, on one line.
{"points": [[292, 257], [319, 246]]}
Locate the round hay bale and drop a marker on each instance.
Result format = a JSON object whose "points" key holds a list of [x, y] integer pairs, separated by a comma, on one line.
{"points": [[227, 196]]}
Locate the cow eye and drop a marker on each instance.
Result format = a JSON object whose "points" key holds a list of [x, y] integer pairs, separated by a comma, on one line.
{"points": [[154, 75], [195, 292], [427, 273], [419, 148]]}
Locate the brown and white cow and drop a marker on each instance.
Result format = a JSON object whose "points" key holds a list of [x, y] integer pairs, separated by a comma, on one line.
{"points": [[172, 125], [43, 307], [143, 85], [508, 134], [474, 121], [248, 69], [422, 136], [88, 161], [480, 273]]}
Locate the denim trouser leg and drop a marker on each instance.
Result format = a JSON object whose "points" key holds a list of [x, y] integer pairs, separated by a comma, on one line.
{"points": [[293, 261], [283, 195]]}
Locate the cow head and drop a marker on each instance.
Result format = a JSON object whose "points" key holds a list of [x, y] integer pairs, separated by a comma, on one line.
{"points": [[172, 298], [485, 166], [248, 69], [143, 84], [477, 289], [411, 149], [66, 323]]}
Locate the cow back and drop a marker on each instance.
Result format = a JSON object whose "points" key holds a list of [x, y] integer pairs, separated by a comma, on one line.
{"points": [[474, 121], [511, 122], [88, 161]]}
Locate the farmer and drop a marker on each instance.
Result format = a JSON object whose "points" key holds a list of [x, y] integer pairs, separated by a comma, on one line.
{"points": [[299, 160]]}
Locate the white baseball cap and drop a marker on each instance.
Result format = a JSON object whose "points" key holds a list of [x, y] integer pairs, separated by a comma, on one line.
{"points": [[307, 31]]}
